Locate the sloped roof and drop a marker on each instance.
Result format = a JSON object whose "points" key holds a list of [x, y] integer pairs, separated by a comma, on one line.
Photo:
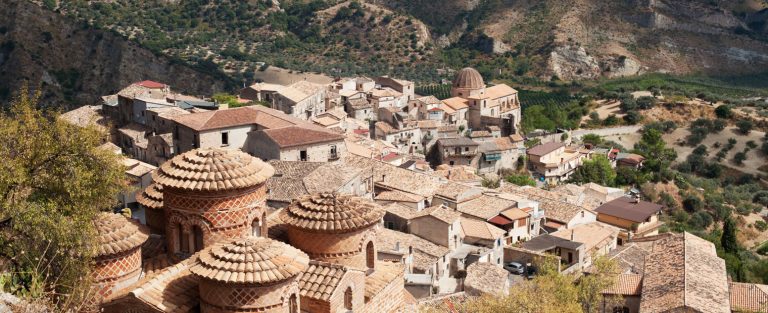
{"points": [[249, 115], [331, 212], [593, 235], [486, 278], [456, 103], [320, 280], [250, 260], [441, 213], [401, 210], [456, 142], [399, 196], [480, 229], [626, 285], [514, 214], [150, 84], [637, 211], [546, 148], [485, 206], [172, 289], [499, 91], [329, 177], [749, 297], [684, 271], [117, 233], [383, 276], [213, 169], [293, 136], [287, 183]]}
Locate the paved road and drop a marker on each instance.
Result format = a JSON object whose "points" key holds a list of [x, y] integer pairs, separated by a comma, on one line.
{"points": [[610, 131]]}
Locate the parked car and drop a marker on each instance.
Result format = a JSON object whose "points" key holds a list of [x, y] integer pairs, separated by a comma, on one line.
{"points": [[514, 268], [530, 272]]}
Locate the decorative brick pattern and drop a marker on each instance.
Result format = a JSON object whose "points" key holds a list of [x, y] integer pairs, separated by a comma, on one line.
{"points": [[228, 298], [342, 248], [117, 266]]}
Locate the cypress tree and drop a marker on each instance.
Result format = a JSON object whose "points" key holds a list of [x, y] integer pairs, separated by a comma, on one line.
{"points": [[728, 240]]}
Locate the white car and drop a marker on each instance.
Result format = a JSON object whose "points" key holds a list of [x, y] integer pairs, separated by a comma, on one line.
{"points": [[514, 268]]}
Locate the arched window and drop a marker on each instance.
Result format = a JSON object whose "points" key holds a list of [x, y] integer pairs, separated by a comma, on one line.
{"points": [[293, 304], [370, 255], [348, 298], [256, 227], [198, 236]]}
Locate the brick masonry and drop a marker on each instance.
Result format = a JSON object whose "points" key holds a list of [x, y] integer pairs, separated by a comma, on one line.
{"points": [[227, 298]]}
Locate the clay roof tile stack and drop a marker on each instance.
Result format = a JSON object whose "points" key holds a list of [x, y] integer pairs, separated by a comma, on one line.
{"points": [[331, 212], [212, 169], [250, 260], [117, 234], [320, 280], [151, 197]]}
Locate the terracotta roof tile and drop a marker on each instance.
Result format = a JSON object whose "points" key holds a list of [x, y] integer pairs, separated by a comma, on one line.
{"points": [[331, 212], [249, 115], [172, 289], [401, 211], [320, 280], [213, 169], [117, 233], [546, 148], [425, 253], [485, 206], [151, 197], [486, 278], [441, 213], [499, 91], [749, 297], [396, 195], [480, 229], [250, 260], [626, 285], [385, 274]]}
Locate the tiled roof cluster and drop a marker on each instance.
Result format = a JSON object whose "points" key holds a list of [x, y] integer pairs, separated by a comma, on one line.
{"points": [[212, 169], [399, 196], [249, 115], [593, 235], [385, 273], [250, 260], [394, 178], [293, 136], [555, 207], [425, 253], [172, 289], [151, 197], [320, 280], [485, 206], [401, 210], [331, 212], [116, 233], [287, 183]]}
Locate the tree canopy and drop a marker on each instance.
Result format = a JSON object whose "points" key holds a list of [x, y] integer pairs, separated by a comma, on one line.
{"points": [[53, 181], [598, 170]]}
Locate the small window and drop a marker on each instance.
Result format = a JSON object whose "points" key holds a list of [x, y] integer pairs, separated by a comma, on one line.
{"points": [[348, 298], [225, 138], [303, 155]]}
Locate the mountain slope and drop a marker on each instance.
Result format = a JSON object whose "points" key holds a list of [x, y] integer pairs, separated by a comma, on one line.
{"points": [[75, 64]]}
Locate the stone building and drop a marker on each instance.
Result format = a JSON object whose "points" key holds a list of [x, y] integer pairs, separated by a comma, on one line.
{"points": [[484, 106], [210, 195], [250, 274], [118, 254]]}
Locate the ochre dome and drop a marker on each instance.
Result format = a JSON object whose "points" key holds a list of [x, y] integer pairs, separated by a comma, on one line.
{"points": [[250, 260], [331, 212], [116, 234], [468, 78], [212, 169], [151, 197]]}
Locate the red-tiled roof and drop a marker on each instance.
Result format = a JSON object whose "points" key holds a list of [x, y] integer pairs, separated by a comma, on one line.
{"points": [[545, 148], [500, 220], [150, 84], [629, 209]]}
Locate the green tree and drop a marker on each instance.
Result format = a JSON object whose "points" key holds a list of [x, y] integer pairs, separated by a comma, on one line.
{"points": [[657, 156], [53, 181], [723, 111], [603, 275], [598, 170], [728, 239]]}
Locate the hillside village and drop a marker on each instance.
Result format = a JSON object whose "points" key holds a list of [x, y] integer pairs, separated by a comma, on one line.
{"points": [[361, 195]]}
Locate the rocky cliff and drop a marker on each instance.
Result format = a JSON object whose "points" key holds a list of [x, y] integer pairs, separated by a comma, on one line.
{"points": [[76, 64]]}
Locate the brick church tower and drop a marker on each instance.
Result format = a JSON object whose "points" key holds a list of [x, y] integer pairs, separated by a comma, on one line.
{"points": [[212, 195], [250, 274], [334, 228], [118, 255]]}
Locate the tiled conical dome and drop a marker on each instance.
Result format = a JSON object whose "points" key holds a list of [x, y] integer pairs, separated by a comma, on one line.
{"points": [[212, 169], [250, 260], [151, 197], [331, 212], [468, 78], [116, 234]]}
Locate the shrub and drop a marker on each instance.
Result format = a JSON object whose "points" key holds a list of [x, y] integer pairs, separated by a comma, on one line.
{"points": [[761, 225], [745, 126], [751, 144], [739, 158], [692, 203], [723, 111], [520, 180]]}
